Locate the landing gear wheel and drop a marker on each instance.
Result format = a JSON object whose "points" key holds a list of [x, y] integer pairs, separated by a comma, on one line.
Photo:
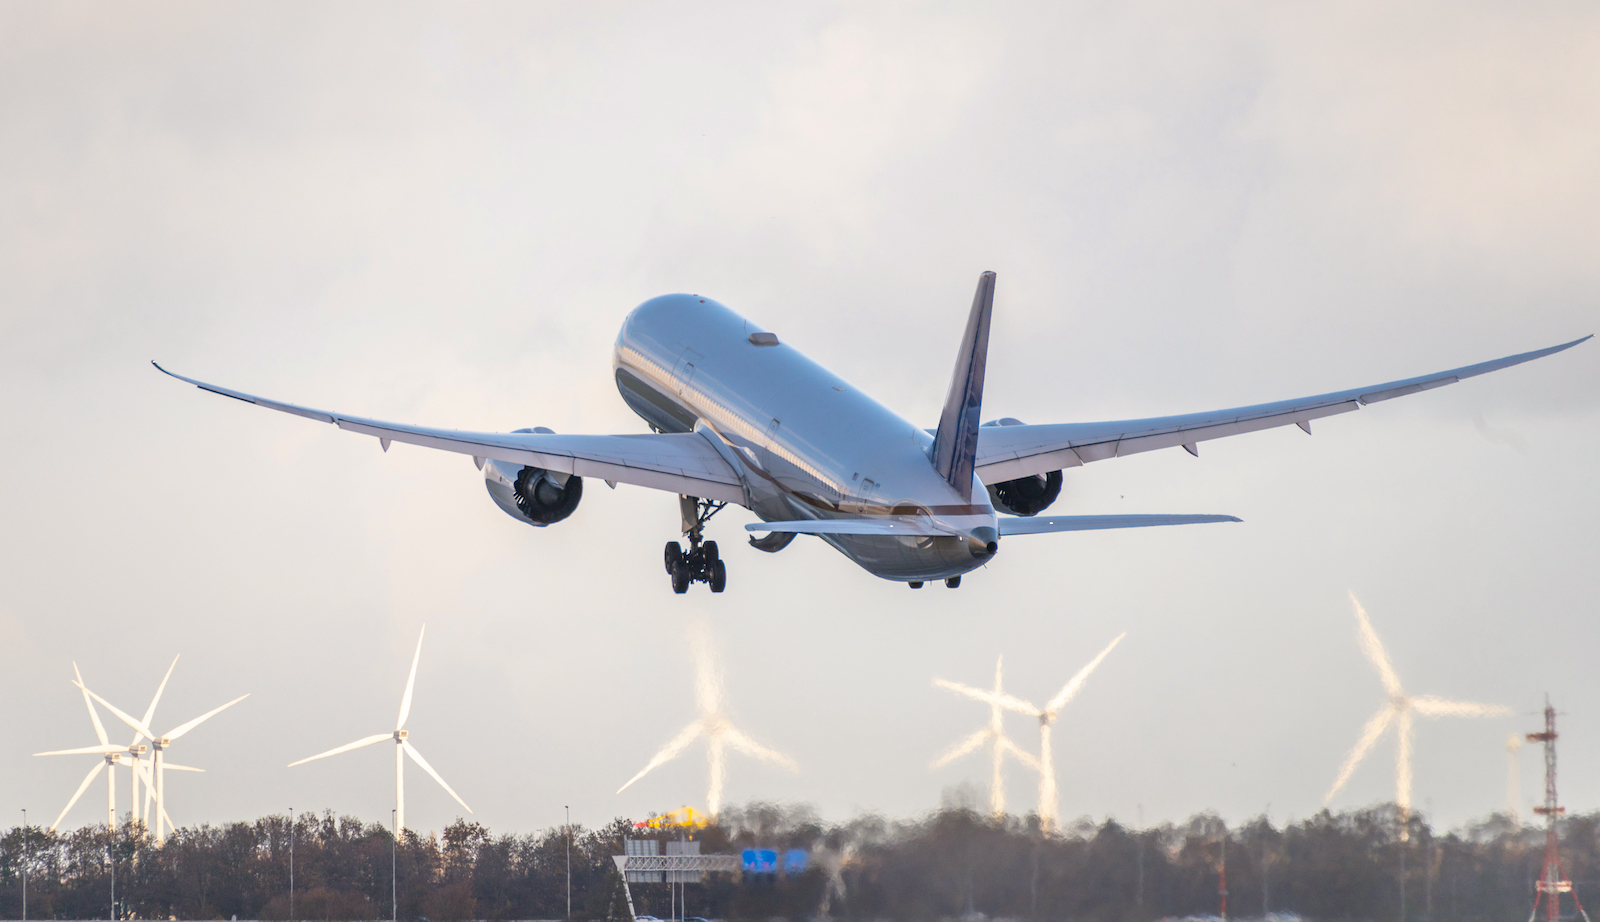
{"points": [[701, 563], [953, 582], [915, 584]]}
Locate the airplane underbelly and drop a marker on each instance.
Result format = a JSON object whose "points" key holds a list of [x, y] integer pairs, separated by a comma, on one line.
{"points": [[908, 558]]}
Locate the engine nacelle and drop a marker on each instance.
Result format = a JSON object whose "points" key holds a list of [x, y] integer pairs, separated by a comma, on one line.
{"points": [[1026, 495], [532, 495]]}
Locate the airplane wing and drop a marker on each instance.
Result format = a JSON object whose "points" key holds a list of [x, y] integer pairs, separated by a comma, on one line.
{"points": [[675, 462], [1009, 452]]}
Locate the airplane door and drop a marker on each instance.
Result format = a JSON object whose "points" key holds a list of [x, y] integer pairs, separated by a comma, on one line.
{"points": [[767, 455], [684, 373]]}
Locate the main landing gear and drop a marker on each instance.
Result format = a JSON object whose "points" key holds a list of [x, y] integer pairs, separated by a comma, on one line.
{"points": [[953, 582], [700, 563]]}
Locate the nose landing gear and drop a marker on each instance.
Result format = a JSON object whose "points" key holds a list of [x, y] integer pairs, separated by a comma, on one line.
{"points": [[700, 563]]}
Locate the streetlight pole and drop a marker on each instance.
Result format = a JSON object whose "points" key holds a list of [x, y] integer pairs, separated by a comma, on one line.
{"points": [[24, 864], [569, 859], [111, 851], [394, 850], [291, 864]]}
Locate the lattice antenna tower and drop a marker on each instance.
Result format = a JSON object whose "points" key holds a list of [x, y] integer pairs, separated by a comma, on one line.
{"points": [[1552, 883]]}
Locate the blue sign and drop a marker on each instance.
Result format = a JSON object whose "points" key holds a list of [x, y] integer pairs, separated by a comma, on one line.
{"points": [[794, 862], [760, 861]]}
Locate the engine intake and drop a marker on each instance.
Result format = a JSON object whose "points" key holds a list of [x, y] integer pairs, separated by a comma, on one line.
{"points": [[1026, 495], [532, 495]]}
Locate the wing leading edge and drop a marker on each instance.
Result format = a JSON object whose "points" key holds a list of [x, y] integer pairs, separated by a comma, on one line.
{"points": [[675, 462], [1009, 452]]}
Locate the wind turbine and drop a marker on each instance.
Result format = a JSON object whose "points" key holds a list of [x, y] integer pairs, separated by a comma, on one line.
{"points": [[160, 743], [994, 734], [713, 724], [1399, 710], [1513, 779], [402, 748], [1049, 799], [111, 757]]}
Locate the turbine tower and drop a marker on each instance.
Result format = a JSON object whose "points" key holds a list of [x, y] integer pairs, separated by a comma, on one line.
{"points": [[402, 748], [1399, 710], [713, 724], [159, 743], [993, 734]]}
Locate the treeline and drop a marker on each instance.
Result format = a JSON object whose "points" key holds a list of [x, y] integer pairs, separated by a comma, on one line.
{"points": [[1360, 865]]}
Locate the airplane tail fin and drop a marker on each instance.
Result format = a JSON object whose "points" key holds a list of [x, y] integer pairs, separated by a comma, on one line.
{"points": [[955, 444]]}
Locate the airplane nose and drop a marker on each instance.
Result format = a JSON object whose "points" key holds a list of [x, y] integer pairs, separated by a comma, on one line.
{"points": [[983, 541]]}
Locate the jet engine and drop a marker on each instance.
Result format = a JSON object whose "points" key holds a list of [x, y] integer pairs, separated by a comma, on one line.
{"points": [[1026, 495], [532, 495]]}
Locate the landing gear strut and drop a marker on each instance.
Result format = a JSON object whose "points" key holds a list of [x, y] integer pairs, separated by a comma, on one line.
{"points": [[700, 563]]}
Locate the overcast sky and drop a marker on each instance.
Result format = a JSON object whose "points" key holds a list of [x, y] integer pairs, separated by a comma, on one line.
{"points": [[440, 214]]}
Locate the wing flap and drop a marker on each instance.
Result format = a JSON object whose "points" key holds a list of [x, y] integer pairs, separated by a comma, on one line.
{"points": [[1045, 524], [1009, 452], [674, 462]]}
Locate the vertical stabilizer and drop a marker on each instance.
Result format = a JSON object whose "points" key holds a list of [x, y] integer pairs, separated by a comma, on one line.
{"points": [[955, 445]]}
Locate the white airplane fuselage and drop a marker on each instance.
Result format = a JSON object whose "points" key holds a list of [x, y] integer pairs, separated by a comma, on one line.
{"points": [[805, 443]]}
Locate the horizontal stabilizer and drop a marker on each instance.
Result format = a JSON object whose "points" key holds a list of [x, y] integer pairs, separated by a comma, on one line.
{"points": [[1043, 524], [907, 525]]}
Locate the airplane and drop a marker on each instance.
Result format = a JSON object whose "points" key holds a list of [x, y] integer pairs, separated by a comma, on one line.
{"points": [[741, 417]]}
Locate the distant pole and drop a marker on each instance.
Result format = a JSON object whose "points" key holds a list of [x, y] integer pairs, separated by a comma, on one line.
{"points": [[1138, 896], [24, 864], [568, 808], [394, 864], [291, 864], [111, 851]]}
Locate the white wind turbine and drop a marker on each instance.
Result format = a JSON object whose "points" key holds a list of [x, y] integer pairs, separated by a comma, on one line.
{"points": [[1049, 797], [1398, 710], [993, 734], [713, 724], [111, 757], [403, 748], [1513, 779], [160, 743]]}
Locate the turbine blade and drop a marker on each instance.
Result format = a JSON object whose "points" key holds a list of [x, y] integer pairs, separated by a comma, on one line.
{"points": [[84, 751], [150, 712], [140, 728], [1373, 648], [368, 741], [94, 715], [1434, 706], [1369, 735], [1075, 684], [169, 767], [1006, 701], [417, 758], [755, 750], [669, 752], [87, 780], [1021, 755], [405, 700], [185, 728], [960, 749]]}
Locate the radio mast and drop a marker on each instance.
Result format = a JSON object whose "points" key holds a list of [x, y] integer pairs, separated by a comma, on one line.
{"points": [[1552, 883]]}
